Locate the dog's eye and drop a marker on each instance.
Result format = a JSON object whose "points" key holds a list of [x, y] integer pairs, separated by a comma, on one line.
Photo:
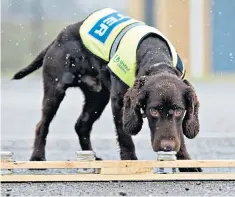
{"points": [[154, 112], [178, 112]]}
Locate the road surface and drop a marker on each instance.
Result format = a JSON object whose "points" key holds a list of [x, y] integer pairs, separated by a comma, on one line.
{"points": [[21, 105]]}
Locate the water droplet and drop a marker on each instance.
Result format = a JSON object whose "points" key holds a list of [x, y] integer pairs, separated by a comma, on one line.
{"points": [[67, 56], [56, 79]]}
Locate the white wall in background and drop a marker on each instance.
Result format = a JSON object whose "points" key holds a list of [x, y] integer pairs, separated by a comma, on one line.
{"points": [[196, 38]]}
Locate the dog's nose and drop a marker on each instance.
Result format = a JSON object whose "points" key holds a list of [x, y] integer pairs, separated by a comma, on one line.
{"points": [[167, 145]]}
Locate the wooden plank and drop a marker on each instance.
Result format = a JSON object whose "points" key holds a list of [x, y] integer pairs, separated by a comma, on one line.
{"points": [[122, 171], [119, 164], [98, 177]]}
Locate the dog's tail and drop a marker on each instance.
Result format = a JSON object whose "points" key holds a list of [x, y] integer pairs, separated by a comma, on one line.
{"points": [[35, 64]]}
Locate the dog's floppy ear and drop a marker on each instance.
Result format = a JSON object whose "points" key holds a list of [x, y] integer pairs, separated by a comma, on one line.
{"points": [[134, 100], [191, 124]]}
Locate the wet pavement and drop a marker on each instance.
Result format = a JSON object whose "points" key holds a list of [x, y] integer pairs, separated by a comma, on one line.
{"points": [[20, 110]]}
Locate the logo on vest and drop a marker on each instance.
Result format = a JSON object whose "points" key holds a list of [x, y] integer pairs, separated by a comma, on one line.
{"points": [[121, 64], [103, 28]]}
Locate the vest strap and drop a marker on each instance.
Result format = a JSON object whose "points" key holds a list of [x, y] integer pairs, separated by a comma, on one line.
{"points": [[120, 36]]}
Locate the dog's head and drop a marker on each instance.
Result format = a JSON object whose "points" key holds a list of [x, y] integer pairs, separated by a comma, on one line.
{"points": [[170, 106]]}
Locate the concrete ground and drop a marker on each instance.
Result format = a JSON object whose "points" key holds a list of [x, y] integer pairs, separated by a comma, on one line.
{"points": [[21, 105]]}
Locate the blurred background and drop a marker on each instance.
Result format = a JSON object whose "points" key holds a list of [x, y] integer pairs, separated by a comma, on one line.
{"points": [[202, 31]]}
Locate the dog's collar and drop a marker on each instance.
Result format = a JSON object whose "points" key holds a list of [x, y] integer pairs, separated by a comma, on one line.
{"points": [[167, 63], [159, 64]]}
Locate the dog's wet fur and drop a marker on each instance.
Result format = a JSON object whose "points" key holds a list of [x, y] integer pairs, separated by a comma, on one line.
{"points": [[169, 103]]}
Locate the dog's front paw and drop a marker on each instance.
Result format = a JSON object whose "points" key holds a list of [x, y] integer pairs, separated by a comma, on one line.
{"points": [[128, 156], [98, 159], [37, 158], [190, 170]]}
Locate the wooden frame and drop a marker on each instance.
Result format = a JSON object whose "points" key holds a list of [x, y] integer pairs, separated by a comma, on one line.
{"points": [[127, 177], [118, 170], [119, 164]]}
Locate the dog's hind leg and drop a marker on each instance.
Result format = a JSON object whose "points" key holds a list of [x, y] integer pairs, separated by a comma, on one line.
{"points": [[53, 95], [95, 103]]}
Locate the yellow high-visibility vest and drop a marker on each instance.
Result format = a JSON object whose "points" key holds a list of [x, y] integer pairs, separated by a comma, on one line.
{"points": [[114, 38]]}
